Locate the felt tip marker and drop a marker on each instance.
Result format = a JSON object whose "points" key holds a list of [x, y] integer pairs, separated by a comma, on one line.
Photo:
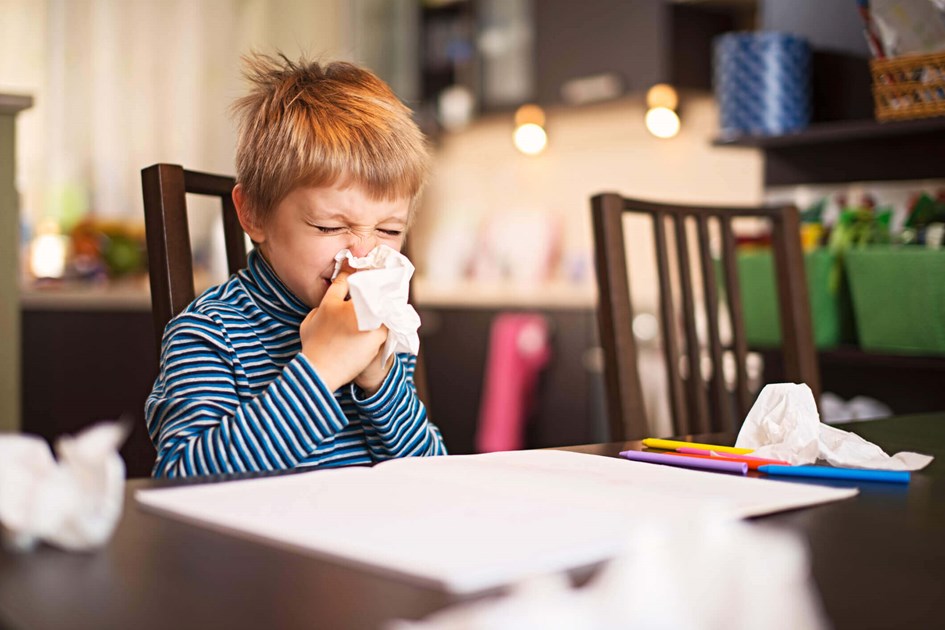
{"points": [[753, 464], [672, 445], [713, 464], [752, 458], [829, 472]]}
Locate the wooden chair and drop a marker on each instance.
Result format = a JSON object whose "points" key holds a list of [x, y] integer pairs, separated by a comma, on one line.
{"points": [[170, 260], [696, 406]]}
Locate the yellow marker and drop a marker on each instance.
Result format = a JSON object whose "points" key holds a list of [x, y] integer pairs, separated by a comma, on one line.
{"points": [[672, 445]]}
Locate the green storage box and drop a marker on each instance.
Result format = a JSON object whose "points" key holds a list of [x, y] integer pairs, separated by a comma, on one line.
{"points": [[831, 310], [899, 298]]}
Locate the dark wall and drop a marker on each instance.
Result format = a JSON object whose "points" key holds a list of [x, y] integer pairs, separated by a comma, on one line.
{"points": [[841, 80], [827, 24], [579, 39]]}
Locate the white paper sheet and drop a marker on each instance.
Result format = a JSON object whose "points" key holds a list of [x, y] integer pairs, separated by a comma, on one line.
{"points": [[473, 522]]}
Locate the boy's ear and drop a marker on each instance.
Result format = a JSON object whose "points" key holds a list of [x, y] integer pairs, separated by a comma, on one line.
{"points": [[247, 219]]}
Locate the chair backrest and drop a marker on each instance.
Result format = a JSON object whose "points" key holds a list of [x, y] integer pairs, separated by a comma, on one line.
{"points": [[170, 260], [696, 406]]}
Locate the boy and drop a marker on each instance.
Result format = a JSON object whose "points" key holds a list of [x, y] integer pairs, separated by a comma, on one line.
{"points": [[268, 370]]}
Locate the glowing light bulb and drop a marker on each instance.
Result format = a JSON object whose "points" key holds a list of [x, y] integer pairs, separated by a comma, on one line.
{"points": [[662, 95], [662, 122], [530, 139], [529, 113]]}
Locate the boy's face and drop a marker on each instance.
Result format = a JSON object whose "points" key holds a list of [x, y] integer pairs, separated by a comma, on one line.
{"points": [[309, 226]]}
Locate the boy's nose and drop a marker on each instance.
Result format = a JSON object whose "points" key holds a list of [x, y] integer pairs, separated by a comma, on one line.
{"points": [[362, 244]]}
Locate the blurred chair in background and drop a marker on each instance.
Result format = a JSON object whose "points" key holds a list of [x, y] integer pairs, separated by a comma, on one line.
{"points": [[699, 403]]}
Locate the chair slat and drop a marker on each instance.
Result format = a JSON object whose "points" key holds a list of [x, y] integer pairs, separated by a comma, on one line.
{"points": [[625, 396], [168, 239], [733, 296], [170, 259], [718, 393], [209, 184], [695, 383], [800, 358], [668, 323]]}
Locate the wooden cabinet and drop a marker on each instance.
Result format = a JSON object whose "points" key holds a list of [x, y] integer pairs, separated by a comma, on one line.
{"points": [[640, 42], [81, 365], [507, 52]]}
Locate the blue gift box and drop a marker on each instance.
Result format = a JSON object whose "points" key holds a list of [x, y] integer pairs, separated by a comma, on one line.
{"points": [[762, 82]]}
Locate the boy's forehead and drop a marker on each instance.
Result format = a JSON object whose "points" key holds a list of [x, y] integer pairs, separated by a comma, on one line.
{"points": [[351, 201]]}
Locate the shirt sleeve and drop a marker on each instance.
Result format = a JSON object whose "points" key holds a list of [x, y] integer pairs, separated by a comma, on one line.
{"points": [[394, 419], [201, 426]]}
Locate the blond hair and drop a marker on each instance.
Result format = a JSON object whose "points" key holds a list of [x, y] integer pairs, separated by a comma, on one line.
{"points": [[304, 124]]}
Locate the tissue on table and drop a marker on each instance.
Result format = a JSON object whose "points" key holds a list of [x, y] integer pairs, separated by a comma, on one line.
{"points": [[74, 503], [379, 292], [784, 424], [670, 575]]}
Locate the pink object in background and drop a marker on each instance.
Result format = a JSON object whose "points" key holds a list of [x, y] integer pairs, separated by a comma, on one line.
{"points": [[518, 350]]}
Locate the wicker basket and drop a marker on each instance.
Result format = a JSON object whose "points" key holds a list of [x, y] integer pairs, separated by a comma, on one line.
{"points": [[909, 87]]}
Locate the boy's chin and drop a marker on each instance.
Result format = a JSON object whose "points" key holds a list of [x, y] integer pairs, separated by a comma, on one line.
{"points": [[316, 296]]}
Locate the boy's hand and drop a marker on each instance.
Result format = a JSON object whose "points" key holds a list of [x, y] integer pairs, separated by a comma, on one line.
{"points": [[373, 376], [332, 343]]}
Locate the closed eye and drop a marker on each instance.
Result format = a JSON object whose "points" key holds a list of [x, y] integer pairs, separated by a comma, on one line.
{"points": [[390, 233], [327, 230]]}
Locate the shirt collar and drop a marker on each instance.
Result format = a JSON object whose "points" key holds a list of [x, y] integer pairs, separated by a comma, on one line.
{"points": [[270, 293]]}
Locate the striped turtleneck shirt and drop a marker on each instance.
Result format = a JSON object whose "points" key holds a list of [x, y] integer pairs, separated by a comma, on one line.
{"points": [[234, 393]]}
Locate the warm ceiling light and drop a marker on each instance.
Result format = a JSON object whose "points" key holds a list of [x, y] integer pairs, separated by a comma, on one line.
{"points": [[530, 139], [529, 114], [662, 95], [662, 122]]}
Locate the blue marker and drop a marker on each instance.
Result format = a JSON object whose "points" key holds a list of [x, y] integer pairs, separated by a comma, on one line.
{"points": [[829, 472]]}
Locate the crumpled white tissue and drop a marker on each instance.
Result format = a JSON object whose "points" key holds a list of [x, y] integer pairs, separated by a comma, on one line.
{"points": [[704, 574], [74, 503], [379, 292], [784, 424]]}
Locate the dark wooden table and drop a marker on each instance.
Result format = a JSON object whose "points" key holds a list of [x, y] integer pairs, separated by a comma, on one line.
{"points": [[878, 560]]}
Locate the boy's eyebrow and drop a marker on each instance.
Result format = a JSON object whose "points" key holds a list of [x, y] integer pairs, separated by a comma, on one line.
{"points": [[341, 216]]}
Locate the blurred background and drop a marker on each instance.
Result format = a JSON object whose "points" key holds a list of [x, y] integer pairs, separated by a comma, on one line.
{"points": [[100, 89]]}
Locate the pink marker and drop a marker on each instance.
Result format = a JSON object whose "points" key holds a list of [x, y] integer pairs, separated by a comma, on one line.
{"points": [[705, 451]]}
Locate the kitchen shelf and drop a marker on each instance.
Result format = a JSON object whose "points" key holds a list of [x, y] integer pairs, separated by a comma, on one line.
{"points": [[839, 131], [504, 295], [907, 383], [853, 150], [123, 297], [128, 294]]}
